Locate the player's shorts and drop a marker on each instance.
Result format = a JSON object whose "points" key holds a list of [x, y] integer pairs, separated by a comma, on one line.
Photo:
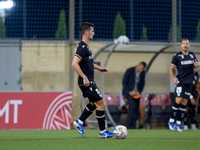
{"points": [[92, 92], [183, 90]]}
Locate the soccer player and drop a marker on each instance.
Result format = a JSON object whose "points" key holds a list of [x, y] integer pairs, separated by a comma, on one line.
{"points": [[84, 66], [184, 61]]}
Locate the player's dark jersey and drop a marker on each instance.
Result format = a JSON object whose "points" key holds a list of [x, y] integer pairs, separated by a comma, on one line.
{"points": [[86, 64], [184, 64]]}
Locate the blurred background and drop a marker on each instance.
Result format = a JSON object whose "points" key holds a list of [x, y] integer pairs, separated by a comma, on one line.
{"points": [[38, 41], [141, 19]]}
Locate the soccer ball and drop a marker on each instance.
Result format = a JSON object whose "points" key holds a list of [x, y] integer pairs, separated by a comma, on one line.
{"points": [[121, 132]]}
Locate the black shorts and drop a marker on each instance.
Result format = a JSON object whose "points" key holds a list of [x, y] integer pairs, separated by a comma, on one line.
{"points": [[183, 90], [92, 92]]}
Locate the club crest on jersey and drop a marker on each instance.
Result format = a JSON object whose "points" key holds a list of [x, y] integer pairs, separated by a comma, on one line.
{"points": [[191, 56], [181, 55]]}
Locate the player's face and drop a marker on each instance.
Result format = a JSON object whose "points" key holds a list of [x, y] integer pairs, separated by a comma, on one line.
{"points": [[185, 45], [91, 33]]}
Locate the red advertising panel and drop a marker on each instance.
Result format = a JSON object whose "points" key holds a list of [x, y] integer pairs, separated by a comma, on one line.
{"points": [[35, 110]]}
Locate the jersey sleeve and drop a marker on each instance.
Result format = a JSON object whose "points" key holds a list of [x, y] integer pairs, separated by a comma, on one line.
{"points": [[81, 51], [174, 61], [195, 57]]}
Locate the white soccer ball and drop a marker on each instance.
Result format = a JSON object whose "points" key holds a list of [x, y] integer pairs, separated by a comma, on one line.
{"points": [[121, 132]]}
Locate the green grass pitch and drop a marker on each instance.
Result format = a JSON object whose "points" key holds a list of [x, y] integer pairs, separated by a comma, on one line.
{"points": [[72, 140]]}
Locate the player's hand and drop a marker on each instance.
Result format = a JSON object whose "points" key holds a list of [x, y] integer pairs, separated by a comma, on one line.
{"points": [[104, 70], [196, 63], [86, 81], [131, 93], [175, 80]]}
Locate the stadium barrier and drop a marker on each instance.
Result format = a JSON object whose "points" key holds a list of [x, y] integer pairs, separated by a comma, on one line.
{"points": [[35, 110]]}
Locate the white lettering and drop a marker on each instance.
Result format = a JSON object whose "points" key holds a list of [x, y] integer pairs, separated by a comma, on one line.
{"points": [[5, 110], [16, 103], [187, 62]]}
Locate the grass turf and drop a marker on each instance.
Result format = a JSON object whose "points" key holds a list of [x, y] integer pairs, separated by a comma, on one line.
{"points": [[72, 140]]}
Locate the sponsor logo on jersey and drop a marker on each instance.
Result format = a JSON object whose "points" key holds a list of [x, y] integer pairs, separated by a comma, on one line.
{"points": [[187, 62]]}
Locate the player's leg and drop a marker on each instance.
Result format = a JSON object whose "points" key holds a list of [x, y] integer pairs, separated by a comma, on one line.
{"points": [[181, 113], [78, 124], [142, 114], [89, 108], [193, 117], [136, 111], [174, 112], [186, 119], [130, 113], [100, 115], [175, 107]]}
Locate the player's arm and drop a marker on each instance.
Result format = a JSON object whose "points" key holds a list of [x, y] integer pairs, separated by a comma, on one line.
{"points": [[75, 65], [102, 69], [172, 70], [196, 63]]}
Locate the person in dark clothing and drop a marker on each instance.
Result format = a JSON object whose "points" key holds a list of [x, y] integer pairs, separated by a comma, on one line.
{"points": [[84, 66], [190, 113], [133, 85], [183, 61]]}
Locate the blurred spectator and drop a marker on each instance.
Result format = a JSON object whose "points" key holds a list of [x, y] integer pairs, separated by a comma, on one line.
{"points": [[133, 85], [192, 106]]}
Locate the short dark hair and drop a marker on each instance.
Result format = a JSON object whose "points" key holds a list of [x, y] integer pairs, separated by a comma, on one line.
{"points": [[143, 64], [184, 39], [85, 26]]}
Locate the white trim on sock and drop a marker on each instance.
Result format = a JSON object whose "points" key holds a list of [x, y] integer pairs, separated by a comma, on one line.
{"points": [[185, 127], [102, 131], [171, 120], [193, 126], [178, 122], [81, 122]]}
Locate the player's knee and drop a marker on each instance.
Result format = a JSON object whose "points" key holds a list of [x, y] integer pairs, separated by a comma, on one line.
{"points": [[178, 100], [100, 105], [184, 102]]}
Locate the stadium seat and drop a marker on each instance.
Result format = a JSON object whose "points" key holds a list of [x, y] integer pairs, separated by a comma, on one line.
{"points": [[118, 100], [165, 99], [110, 100], [142, 100], [167, 107], [113, 107], [157, 110], [156, 101], [115, 113], [157, 114]]}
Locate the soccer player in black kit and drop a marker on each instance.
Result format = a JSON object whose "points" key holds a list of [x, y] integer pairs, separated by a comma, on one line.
{"points": [[184, 61], [84, 66]]}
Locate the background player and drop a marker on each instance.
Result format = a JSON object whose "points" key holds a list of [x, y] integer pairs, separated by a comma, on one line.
{"points": [[184, 61], [83, 64]]}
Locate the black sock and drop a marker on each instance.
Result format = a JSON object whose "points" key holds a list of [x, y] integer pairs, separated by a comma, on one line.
{"points": [[100, 115], [186, 119], [192, 115], [175, 109], [181, 112], [89, 108]]}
